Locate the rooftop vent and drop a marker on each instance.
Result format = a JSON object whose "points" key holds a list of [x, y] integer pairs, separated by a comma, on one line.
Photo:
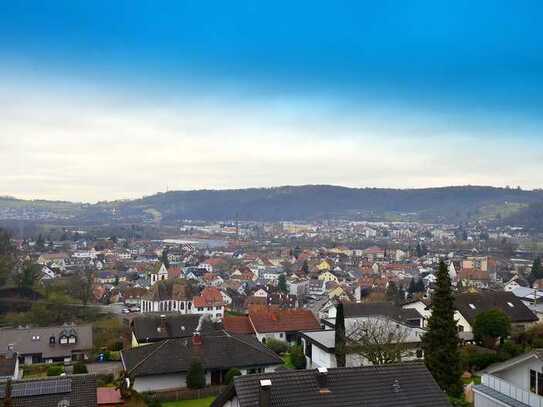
{"points": [[396, 386]]}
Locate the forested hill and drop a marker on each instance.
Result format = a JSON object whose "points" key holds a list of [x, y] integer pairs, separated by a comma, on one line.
{"points": [[299, 203]]}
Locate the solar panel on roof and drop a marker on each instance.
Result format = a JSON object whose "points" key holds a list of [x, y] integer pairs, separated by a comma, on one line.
{"points": [[38, 388]]}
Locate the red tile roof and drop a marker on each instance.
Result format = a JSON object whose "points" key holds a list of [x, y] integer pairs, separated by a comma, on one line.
{"points": [[209, 297], [109, 396], [238, 325], [283, 320]]}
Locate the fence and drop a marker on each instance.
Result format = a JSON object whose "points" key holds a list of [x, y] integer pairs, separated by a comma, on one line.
{"points": [[187, 394]]}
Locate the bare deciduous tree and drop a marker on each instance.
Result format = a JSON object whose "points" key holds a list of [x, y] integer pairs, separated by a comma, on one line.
{"points": [[379, 340]]}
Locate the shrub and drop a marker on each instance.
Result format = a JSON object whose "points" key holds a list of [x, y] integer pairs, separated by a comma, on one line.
{"points": [[103, 380], [511, 349], [277, 346], [229, 377], [80, 368], [297, 357], [55, 370], [196, 377], [475, 358]]}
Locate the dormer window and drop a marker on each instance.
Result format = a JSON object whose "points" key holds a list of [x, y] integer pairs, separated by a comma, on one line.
{"points": [[472, 306], [52, 340], [63, 340], [72, 339]]}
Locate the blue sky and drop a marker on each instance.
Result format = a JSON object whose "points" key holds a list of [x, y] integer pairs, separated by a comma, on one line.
{"points": [[115, 99]]}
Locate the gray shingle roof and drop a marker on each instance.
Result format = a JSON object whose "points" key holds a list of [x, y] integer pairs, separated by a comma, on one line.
{"points": [[218, 351], [507, 302], [146, 327], [397, 385], [354, 310], [77, 390], [36, 340]]}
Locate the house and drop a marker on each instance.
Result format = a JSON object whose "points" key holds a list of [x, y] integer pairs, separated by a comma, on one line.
{"points": [[515, 382], [409, 316], [381, 322], [469, 305], [150, 328], [61, 391], [474, 277], [209, 302], [51, 344], [408, 384], [159, 273], [281, 324], [238, 325], [328, 276], [164, 365], [168, 296]]}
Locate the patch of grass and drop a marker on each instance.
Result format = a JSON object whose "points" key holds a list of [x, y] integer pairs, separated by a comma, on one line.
{"points": [[204, 402]]}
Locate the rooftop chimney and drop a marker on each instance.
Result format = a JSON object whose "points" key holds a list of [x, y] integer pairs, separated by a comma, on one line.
{"points": [[322, 380], [197, 338], [265, 393]]}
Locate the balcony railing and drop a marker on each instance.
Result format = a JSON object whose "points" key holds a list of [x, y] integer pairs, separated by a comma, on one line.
{"points": [[516, 393]]}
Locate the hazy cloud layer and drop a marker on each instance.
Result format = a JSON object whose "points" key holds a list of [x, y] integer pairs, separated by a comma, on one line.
{"points": [[91, 146]]}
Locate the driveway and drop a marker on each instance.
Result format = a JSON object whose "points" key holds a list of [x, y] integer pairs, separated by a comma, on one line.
{"points": [[105, 368]]}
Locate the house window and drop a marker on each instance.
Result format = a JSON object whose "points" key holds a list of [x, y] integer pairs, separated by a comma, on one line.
{"points": [[419, 353], [540, 383], [217, 308], [72, 339], [200, 308], [281, 335], [189, 306], [52, 340], [63, 340], [533, 376], [182, 305]]}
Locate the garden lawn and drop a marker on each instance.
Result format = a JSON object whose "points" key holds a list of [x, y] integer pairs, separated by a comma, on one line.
{"points": [[205, 402]]}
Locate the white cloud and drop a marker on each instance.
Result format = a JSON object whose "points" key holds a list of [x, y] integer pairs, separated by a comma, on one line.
{"points": [[85, 144]]}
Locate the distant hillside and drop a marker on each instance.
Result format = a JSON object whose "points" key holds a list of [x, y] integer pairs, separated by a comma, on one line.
{"points": [[450, 204], [530, 218], [318, 201]]}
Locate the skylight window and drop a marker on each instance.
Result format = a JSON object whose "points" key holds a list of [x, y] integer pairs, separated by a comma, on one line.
{"points": [[472, 306], [510, 304]]}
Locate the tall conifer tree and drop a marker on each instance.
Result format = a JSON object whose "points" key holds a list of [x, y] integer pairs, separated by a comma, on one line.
{"points": [[340, 336], [440, 343]]}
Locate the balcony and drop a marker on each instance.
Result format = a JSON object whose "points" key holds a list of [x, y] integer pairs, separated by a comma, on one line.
{"points": [[505, 393]]}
